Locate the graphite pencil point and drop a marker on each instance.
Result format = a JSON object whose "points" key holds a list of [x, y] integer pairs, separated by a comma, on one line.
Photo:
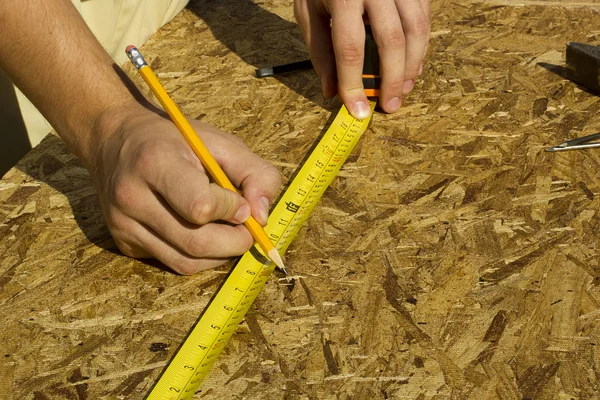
{"points": [[276, 258]]}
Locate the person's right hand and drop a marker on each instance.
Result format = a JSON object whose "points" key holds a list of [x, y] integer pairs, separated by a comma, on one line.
{"points": [[159, 202], [155, 195]]}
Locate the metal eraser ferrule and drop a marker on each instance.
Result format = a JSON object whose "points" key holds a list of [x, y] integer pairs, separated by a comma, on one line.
{"points": [[136, 58], [264, 72]]}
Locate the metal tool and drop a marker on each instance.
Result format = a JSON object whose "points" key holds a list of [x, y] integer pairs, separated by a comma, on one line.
{"points": [[281, 69], [585, 142], [583, 67]]}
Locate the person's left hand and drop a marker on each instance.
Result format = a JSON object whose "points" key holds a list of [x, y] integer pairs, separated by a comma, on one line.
{"points": [[335, 36]]}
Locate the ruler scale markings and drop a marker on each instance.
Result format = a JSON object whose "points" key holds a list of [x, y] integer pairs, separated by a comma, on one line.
{"points": [[198, 371], [310, 199], [212, 345], [309, 202], [199, 351], [299, 207]]}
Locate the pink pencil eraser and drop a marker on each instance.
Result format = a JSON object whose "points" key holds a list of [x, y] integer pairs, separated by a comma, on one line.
{"points": [[128, 48]]}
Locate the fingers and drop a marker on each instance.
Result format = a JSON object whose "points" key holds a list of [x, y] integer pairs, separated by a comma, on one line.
{"points": [[389, 36], [401, 30], [317, 35], [426, 5], [190, 194], [212, 240], [143, 242], [260, 188], [258, 180], [159, 202], [148, 227], [415, 22], [348, 36]]}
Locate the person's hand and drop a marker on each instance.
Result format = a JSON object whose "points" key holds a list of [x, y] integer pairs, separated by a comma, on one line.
{"points": [[156, 198], [335, 36], [159, 202]]}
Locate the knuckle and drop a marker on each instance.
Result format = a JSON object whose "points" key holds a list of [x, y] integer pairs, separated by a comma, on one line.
{"points": [[350, 54], [410, 73], [184, 266], [146, 156], [239, 142], [121, 233], [272, 175], [116, 224], [420, 25], [396, 87], [202, 209], [195, 246], [243, 241], [126, 248], [123, 194], [233, 139], [392, 39], [277, 180]]}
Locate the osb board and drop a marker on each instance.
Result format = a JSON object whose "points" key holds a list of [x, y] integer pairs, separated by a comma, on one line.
{"points": [[452, 258]]}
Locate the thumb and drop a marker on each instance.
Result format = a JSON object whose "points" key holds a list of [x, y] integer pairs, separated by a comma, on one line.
{"points": [[260, 188], [258, 180], [224, 204]]}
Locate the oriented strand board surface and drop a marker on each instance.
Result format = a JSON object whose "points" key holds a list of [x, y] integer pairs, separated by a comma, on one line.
{"points": [[452, 259]]}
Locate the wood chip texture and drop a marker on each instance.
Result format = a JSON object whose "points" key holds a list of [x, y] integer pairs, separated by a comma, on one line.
{"points": [[451, 259]]}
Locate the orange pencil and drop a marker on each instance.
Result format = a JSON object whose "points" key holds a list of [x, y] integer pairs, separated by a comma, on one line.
{"points": [[208, 161]]}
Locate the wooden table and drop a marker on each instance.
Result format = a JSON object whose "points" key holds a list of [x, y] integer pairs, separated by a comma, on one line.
{"points": [[452, 258]]}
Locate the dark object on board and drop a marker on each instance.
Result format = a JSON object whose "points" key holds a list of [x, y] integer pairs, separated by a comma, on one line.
{"points": [[583, 65]]}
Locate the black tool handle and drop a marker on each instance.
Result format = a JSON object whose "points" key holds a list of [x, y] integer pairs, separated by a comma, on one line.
{"points": [[370, 75]]}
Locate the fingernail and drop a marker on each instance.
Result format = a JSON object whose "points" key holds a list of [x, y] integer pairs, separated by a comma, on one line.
{"points": [[393, 104], [408, 86], [242, 215], [360, 110], [420, 69], [264, 209]]}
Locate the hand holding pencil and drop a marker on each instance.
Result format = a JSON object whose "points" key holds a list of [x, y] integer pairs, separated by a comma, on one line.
{"points": [[208, 161]]}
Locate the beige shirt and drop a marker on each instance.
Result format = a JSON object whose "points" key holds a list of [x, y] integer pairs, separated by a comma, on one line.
{"points": [[116, 24]]}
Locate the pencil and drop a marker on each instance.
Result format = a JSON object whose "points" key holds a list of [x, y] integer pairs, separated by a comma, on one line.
{"points": [[208, 161]]}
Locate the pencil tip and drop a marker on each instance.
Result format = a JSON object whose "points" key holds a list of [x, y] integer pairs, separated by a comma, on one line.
{"points": [[276, 258]]}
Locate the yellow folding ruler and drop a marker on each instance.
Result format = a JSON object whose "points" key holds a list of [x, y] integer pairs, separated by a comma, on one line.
{"points": [[196, 356]]}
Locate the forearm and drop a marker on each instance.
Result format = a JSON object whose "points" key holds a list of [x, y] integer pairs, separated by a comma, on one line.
{"points": [[48, 51]]}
